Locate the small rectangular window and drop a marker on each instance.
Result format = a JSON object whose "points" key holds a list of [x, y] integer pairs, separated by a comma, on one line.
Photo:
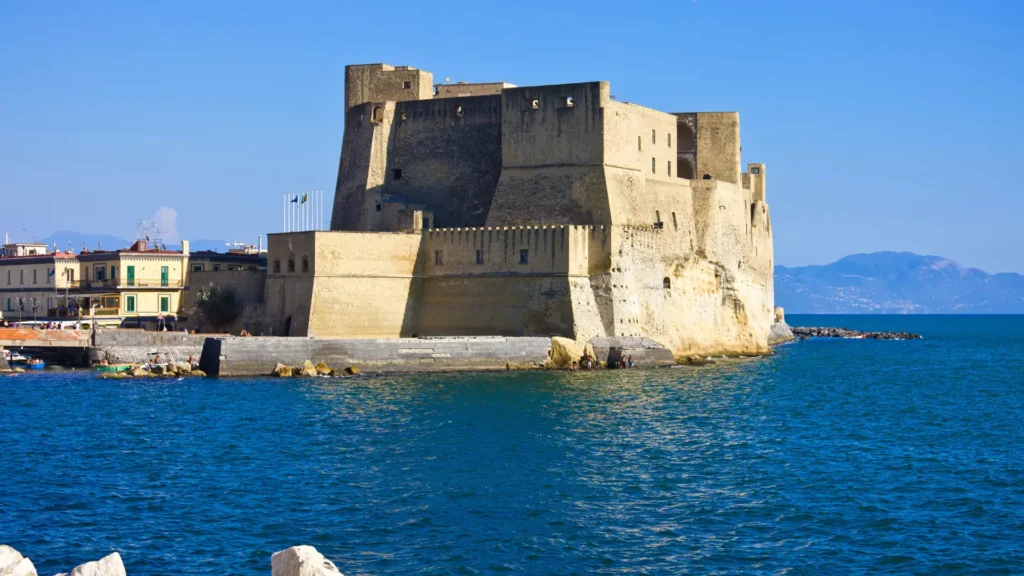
{"points": [[639, 144], [479, 256], [34, 277], [378, 207], [397, 173], [21, 276], [755, 170], [654, 137], [216, 268], [199, 267], [406, 84], [670, 140], [654, 165], [438, 257], [674, 223], [524, 256], [669, 168]]}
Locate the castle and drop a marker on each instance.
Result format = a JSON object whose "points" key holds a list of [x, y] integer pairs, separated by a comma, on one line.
{"points": [[492, 209]]}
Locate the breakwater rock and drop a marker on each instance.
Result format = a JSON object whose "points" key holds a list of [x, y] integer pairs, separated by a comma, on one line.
{"points": [[294, 561], [169, 370], [829, 332]]}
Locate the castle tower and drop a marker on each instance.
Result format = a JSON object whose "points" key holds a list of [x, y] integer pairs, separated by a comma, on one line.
{"points": [[382, 82]]}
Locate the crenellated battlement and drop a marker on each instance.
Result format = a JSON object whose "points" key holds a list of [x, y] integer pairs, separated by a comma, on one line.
{"points": [[443, 213]]}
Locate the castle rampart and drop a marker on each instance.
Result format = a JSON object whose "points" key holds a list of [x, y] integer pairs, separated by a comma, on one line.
{"points": [[537, 210]]}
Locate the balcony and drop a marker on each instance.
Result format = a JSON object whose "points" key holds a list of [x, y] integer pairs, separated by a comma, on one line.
{"points": [[121, 283]]}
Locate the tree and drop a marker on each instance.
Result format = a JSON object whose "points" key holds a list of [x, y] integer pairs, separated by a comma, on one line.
{"points": [[220, 306]]}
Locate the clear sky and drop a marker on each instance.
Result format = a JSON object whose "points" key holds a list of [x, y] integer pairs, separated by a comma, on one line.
{"points": [[885, 125]]}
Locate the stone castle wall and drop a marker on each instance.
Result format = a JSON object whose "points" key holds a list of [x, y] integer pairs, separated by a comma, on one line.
{"points": [[637, 223]]}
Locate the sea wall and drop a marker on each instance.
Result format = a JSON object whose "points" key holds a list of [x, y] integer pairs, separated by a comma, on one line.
{"points": [[236, 356], [120, 346]]}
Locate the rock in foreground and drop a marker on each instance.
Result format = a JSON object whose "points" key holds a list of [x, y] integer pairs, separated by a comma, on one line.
{"points": [[301, 561], [107, 566], [12, 563]]}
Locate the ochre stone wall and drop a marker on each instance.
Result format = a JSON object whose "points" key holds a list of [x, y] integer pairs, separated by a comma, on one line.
{"points": [[622, 239], [381, 82]]}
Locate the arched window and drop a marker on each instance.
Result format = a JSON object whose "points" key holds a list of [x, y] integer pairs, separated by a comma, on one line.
{"points": [[666, 283], [707, 176], [305, 264], [378, 114], [291, 265], [684, 169], [277, 266]]}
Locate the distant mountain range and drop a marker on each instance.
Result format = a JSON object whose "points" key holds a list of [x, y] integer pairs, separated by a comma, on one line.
{"points": [[67, 240], [896, 283]]}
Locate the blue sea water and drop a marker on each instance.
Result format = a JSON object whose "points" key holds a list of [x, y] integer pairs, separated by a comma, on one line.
{"points": [[831, 457]]}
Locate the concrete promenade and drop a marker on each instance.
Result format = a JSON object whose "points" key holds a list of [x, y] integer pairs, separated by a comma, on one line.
{"points": [[255, 356]]}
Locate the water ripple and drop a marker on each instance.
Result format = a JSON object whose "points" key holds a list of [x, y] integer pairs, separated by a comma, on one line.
{"points": [[856, 457]]}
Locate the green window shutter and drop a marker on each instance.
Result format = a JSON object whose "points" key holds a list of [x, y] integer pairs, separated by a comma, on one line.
{"points": [[130, 301], [131, 275], [163, 276], [165, 303]]}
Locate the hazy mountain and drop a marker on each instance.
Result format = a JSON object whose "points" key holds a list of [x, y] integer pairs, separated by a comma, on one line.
{"points": [[896, 283], [76, 240], [106, 242]]}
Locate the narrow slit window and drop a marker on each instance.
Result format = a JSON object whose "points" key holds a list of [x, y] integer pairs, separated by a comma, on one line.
{"points": [[479, 256], [654, 137], [524, 256], [639, 144], [669, 172], [654, 165], [438, 257]]}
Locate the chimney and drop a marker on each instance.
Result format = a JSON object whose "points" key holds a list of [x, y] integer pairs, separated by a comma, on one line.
{"points": [[184, 247]]}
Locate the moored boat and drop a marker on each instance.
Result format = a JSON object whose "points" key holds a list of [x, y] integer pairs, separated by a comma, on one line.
{"points": [[114, 368]]}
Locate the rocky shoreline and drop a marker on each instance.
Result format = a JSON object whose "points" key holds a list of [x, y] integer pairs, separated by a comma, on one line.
{"points": [[804, 332], [294, 561]]}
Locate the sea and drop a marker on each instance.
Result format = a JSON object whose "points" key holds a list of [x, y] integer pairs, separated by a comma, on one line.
{"points": [[829, 457]]}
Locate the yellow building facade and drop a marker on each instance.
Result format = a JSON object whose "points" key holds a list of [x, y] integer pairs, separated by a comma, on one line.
{"points": [[135, 287]]}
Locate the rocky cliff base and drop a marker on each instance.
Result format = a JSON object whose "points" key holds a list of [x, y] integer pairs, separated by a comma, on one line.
{"points": [[295, 561]]}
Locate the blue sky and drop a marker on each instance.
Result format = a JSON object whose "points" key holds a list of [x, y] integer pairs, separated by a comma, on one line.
{"points": [[886, 125]]}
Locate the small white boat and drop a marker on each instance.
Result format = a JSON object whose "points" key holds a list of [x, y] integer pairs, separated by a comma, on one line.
{"points": [[15, 357]]}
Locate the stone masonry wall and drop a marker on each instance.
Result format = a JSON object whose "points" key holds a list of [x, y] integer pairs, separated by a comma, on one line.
{"points": [[253, 356]]}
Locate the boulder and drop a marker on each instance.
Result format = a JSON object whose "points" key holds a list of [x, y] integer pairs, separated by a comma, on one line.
{"points": [[565, 351], [199, 373], [113, 376], [308, 369], [282, 371], [183, 368], [138, 373], [12, 563], [157, 369], [323, 369], [352, 371], [107, 566], [301, 561]]}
